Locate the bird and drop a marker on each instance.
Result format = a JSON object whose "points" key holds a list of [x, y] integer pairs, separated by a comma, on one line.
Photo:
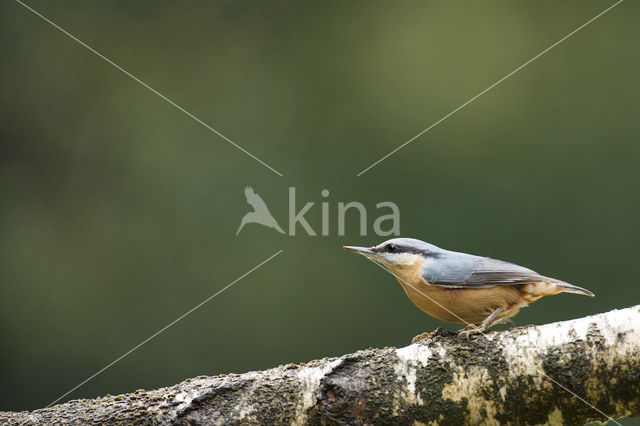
{"points": [[260, 213], [461, 288]]}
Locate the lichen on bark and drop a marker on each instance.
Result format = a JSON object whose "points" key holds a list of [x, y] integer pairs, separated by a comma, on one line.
{"points": [[572, 372]]}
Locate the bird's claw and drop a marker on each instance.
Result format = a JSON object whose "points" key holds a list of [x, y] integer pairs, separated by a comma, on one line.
{"points": [[508, 321], [471, 329], [419, 337]]}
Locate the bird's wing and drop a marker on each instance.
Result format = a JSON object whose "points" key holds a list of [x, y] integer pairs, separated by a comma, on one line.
{"points": [[254, 199], [459, 270]]}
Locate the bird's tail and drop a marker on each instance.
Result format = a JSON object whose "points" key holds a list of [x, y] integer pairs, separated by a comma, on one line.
{"points": [[570, 288]]}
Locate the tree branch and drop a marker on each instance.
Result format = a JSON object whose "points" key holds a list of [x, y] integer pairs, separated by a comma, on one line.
{"points": [[526, 375]]}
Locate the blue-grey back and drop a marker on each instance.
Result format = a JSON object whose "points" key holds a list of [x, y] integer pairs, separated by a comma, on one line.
{"points": [[454, 269]]}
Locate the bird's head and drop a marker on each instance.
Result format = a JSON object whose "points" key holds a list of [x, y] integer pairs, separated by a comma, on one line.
{"points": [[399, 254]]}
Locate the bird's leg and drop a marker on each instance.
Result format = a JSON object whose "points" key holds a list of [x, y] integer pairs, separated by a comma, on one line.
{"points": [[488, 322]]}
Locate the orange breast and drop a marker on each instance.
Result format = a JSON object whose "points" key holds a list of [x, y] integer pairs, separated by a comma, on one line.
{"points": [[458, 305]]}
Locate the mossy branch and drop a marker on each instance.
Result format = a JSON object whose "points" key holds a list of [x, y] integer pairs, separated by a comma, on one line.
{"points": [[569, 372]]}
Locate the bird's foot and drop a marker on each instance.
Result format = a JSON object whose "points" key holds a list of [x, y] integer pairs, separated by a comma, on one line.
{"points": [[504, 321], [419, 337], [470, 330], [489, 322]]}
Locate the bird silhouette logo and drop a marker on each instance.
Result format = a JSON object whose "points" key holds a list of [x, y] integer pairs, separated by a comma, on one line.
{"points": [[260, 213]]}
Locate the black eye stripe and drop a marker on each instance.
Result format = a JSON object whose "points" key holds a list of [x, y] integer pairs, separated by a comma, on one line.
{"points": [[405, 249]]}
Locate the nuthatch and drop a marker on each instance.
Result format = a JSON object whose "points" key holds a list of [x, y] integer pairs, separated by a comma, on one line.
{"points": [[461, 288]]}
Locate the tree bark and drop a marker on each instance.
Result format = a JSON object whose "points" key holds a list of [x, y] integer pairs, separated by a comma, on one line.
{"points": [[569, 372]]}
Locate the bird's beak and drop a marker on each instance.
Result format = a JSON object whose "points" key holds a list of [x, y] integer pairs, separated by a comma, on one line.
{"points": [[365, 251]]}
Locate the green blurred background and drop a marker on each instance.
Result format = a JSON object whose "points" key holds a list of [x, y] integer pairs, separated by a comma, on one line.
{"points": [[118, 212]]}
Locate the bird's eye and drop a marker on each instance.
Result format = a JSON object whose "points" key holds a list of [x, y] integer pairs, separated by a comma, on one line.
{"points": [[392, 248]]}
